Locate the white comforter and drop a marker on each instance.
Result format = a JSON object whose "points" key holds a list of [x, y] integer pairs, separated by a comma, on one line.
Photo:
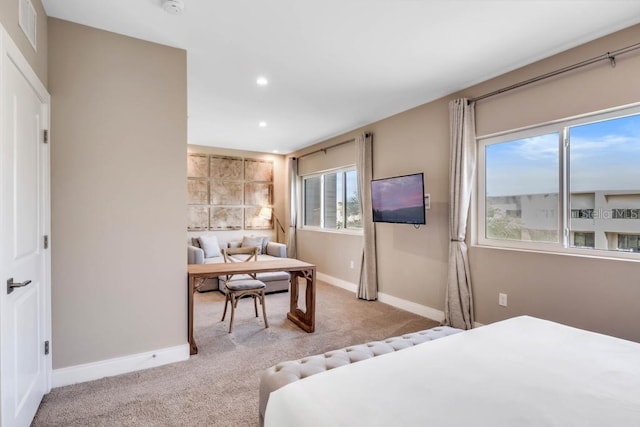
{"points": [[519, 372]]}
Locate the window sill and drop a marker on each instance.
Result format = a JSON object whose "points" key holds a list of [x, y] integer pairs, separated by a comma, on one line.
{"points": [[346, 231], [581, 253]]}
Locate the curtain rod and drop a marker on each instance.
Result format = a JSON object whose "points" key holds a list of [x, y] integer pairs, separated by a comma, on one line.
{"points": [[609, 56], [324, 150]]}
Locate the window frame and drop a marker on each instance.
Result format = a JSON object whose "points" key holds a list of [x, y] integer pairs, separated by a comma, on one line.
{"points": [[561, 126], [344, 230]]}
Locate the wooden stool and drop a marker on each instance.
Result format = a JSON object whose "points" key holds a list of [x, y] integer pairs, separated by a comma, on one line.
{"points": [[243, 286]]}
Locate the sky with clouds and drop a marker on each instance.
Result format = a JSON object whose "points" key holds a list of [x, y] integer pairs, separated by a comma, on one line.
{"points": [[603, 156]]}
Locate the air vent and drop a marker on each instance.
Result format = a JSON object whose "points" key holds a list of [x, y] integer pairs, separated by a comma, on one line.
{"points": [[28, 20]]}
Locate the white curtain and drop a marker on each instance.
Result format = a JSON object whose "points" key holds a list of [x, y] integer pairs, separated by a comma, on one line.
{"points": [[458, 309], [292, 250], [368, 283]]}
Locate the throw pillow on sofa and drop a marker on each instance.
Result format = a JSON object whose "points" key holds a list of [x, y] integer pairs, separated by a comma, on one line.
{"points": [[259, 241], [210, 246]]}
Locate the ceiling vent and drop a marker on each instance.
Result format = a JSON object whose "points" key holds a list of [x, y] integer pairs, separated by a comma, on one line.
{"points": [[174, 7]]}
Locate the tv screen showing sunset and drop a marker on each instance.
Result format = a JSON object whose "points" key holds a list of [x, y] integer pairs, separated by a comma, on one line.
{"points": [[399, 199]]}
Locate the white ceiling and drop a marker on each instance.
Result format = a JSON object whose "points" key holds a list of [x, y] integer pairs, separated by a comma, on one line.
{"points": [[335, 65]]}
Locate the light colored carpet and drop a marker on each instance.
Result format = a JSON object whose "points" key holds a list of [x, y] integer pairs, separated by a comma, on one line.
{"points": [[219, 385]]}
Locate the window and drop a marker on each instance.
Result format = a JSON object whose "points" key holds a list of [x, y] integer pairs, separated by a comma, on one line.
{"points": [[629, 242], [534, 196], [569, 185], [331, 200], [583, 240], [581, 213], [625, 213]]}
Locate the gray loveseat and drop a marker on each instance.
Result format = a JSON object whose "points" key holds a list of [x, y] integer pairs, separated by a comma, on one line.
{"points": [[206, 250]]}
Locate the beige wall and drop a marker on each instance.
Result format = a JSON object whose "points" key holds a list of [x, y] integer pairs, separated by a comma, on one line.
{"points": [[279, 189], [333, 252], [412, 263], [37, 58], [118, 155], [596, 294], [338, 156]]}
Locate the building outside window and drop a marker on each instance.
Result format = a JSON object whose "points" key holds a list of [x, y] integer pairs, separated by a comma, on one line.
{"points": [[330, 200], [571, 184]]}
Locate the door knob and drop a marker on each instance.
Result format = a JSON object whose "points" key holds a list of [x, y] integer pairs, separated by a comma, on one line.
{"points": [[11, 285]]}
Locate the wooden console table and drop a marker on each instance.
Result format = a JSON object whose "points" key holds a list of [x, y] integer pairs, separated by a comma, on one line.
{"points": [[306, 320]]}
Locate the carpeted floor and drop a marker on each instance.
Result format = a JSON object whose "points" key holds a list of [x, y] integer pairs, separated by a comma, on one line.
{"points": [[219, 385]]}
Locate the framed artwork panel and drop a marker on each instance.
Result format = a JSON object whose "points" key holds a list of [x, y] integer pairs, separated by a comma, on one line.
{"points": [[197, 218], [258, 170], [198, 165], [198, 191], [253, 221], [258, 194], [226, 193], [226, 218], [225, 168]]}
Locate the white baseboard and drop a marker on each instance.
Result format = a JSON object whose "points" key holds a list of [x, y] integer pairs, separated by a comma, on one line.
{"points": [[119, 365], [337, 282], [412, 307]]}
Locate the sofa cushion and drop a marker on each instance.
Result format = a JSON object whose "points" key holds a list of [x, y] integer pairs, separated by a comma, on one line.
{"points": [[272, 276], [272, 285], [209, 245], [269, 276]]}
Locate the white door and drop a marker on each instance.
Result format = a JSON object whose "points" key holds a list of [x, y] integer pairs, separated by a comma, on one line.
{"points": [[24, 220]]}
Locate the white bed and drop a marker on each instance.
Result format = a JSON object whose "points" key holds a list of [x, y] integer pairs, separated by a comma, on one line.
{"points": [[519, 372]]}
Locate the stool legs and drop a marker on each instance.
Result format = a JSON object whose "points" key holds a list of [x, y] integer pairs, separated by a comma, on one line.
{"points": [[255, 305], [234, 303], [232, 299], [226, 301], [264, 310], [229, 298]]}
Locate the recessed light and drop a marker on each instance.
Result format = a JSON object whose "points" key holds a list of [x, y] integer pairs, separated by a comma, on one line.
{"points": [[262, 81], [262, 124], [275, 151]]}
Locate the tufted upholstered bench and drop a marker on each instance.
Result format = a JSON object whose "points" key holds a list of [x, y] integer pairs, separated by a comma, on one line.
{"points": [[287, 372]]}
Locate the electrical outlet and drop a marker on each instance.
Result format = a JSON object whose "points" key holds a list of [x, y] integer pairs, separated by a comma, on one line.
{"points": [[502, 300], [351, 265]]}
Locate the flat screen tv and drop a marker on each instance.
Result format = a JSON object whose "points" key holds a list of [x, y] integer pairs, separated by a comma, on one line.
{"points": [[399, 199]]}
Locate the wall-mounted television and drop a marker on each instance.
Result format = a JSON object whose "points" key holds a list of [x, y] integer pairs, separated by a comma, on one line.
{"points": [[399, 199]]}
